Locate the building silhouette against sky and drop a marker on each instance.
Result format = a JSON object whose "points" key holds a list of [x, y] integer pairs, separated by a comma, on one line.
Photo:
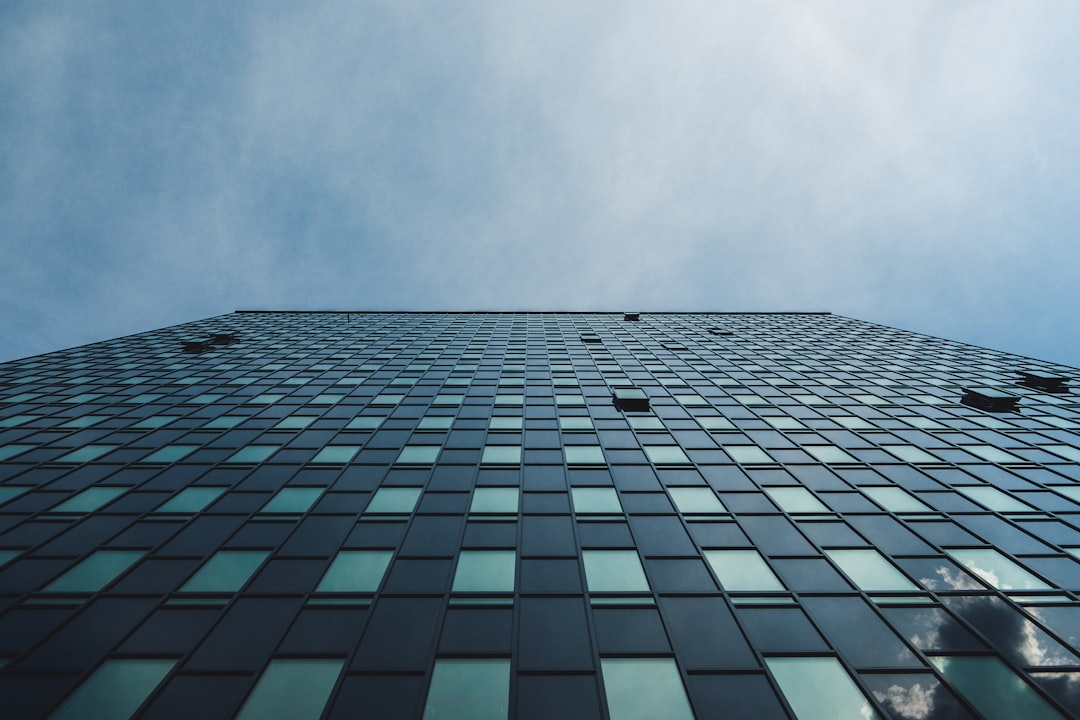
{"points": [[538, 515]]}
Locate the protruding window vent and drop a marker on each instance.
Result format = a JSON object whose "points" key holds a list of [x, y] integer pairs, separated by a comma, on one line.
{"points": [[590, 338], [630, 399], [631, 316], [1047, 382], [197, 346], [990, 399], [719, 331]]}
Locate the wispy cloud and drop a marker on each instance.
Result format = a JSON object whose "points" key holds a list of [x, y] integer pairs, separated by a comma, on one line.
{"points": [[913, 164]]}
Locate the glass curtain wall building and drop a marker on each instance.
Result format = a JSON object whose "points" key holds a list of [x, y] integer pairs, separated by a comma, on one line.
{"points": [[538, 515]]}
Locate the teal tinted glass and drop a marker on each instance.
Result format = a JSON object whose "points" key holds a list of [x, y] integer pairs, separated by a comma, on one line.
{"points": [[995, 690], [10, 451], [501, 455], [469, 690], [16, 420], [292, 690], [95, 572], [997, 570], [829, 454], [505, 422], [170, 453], [90, 499], [991, 453], [115, 690], [10, 492], [365, 422], [644, 689], [226, 422], [747, 454], [419, 454], [226, 571], [494, 500], [154, 422], [818, 688], [696, 500], [191, 500], [795, 500], [295, 422], [666, 454], [743, 571], [870, 571], [84, 421], [339, 454], [910, 453], [394, 500], [253, 453], [993, 498], [485, 571], [326, 399], [83, 454], [435, 423], [645, 422], [596, 500], [8, 555], [715, 422], [584, 455], [358, 571], [575, 423], [896, 499], [614, 571], [293, 500]]}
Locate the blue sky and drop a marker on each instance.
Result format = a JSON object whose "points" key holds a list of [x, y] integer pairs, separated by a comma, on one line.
{"points": [[915, 164]]}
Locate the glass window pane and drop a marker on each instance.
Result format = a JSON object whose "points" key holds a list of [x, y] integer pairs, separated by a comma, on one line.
{"points": [[10, 451], [505, 423], [993, 498], [895, 499], [614, 571], [292, 690], [596, 500], [115, 690], [644, 689], [10, 492], [419, 454], [435, 423], [89, 500], [870, 571], [394, 500], [501, 455], [336, 454], [356, 571], [995, 690], [997, 570], [225, 422], [747, 454], [743, 571], [293, 500], [584, 455], [828, 454], [469, 690], [696, 500], [226, 571], [494, 500], [796, 500], [485, 571], [645, 422], [818, 688], [83, 454], [191, 500], [295, 422], [666, 454], [910, 453], [575, 423], [253, 453], [365, 422], [95, 572], [170, 453]]}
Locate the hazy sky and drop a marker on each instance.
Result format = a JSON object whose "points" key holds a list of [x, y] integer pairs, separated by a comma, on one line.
{"points": [[913, 163]]}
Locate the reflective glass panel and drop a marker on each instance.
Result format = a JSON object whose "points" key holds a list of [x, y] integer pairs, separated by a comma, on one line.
{"points": [[996, 569], [485, 571], [596, 500], [818, 688], [419, 454], [644, 689], [743, 571], [226, 571], [115, 690], [89, 499], [870, 571], [469, 690], [895, 499], [993, 498], [253, 453], [170, 453], [336, 454], [494, 500], [796, 500], [293, 500], [394, 500], [501, 455], [356, 571], [614, 571], [292, 690], [191, 500], [666, 454], [95, 572], [995, 690], [696, 500]]}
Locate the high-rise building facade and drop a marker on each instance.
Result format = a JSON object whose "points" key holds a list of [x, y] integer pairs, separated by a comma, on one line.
{"points": [[538, 515]]}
